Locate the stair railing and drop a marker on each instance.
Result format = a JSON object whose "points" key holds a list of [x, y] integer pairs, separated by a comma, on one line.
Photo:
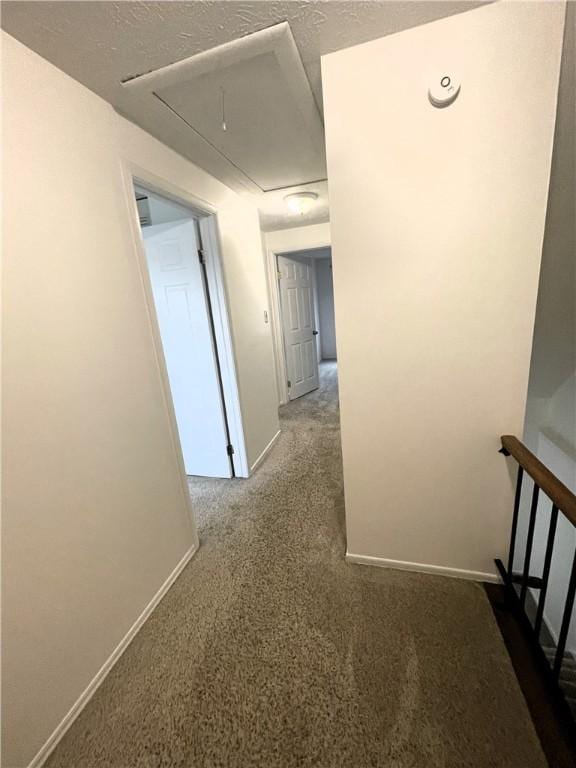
{"points": [[563, 503]]}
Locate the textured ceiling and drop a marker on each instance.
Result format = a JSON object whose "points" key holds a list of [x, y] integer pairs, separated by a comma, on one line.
{"points": [[101, 44]]}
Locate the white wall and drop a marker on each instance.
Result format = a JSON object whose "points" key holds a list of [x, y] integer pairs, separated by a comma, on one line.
{"points": [[95, 513], [325, 291], [298, 238], [437, 220], [550, 426], [283, 241]]}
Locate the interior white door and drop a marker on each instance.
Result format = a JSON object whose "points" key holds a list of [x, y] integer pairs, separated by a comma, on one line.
{"points": [[296, 299], [183, 318]]}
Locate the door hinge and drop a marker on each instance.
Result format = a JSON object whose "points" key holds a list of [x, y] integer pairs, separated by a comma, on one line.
{"points": [[289, 383], [201, 256], [279, 275], [230, 450]]}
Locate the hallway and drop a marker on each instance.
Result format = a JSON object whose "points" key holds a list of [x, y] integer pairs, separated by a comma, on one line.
{"points": [[271, 651]]}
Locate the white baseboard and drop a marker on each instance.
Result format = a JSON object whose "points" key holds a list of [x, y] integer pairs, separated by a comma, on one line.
{"points": [[436, 570], [52, 741], [265, 452]]}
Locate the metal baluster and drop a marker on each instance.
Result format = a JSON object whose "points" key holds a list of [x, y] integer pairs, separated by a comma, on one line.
{"points": [[529, 542], [566, 618], [515, 522], [546, 569]]}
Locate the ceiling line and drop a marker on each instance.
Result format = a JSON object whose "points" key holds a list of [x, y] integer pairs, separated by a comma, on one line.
{"points": [[215, 148], [291, 186]]}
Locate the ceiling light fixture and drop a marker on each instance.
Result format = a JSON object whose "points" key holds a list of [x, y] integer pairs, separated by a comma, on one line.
{"points": [[300, 202]]}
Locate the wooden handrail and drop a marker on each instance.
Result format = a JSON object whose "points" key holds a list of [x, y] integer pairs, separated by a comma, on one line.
{"points": [[556, 491]]}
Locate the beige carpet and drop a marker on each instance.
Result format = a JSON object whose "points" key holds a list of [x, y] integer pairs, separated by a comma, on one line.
{"points": [[271, 651]]}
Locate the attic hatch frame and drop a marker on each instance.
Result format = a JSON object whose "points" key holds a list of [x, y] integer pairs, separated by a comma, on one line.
{"points": [[140, 100]]}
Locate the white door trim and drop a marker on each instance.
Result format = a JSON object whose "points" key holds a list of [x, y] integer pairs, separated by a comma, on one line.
{"points": [[208, 224], [300, 342], [276, 312], [222, 329]]}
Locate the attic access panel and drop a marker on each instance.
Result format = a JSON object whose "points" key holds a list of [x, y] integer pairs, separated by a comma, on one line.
{"points": [[274, 135]]}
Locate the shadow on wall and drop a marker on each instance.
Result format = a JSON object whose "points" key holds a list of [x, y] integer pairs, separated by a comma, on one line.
{"points": [[550, 424], [325, 292]]}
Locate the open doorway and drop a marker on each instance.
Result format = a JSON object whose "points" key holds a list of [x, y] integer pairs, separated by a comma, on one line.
{"points": [[306, 306], [187, 301]]}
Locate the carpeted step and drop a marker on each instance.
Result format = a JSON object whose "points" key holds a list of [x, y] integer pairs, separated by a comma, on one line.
{"points": [[568, 662], [567, 677], [569, 688], [572, 704]]}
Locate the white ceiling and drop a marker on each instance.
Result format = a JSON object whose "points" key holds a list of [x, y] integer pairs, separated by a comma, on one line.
{"points": [[106, 44], [275, 215]]}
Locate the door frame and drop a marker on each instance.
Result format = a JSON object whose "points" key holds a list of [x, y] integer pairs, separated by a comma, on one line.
{"points": [[276, 311], [207, 219]]}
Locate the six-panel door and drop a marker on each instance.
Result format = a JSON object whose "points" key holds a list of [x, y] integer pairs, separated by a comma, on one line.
{"points": [[298, 323], [181, 307]]}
